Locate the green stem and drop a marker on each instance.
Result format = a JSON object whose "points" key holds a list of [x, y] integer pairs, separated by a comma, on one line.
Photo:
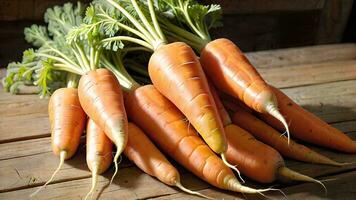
{"points": [[145, 21], [30, 70], [63, 55], [78, 57], [190, 23], [129, 39], [72, 80], [133, 20], [91, 58], [61, 60], [83, 56], [130, 49], [64, 67], [154, 20], [127, 28]]}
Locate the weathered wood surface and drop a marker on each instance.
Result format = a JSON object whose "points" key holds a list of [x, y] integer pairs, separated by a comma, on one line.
{"points": [[302, 55], [26, 160]]}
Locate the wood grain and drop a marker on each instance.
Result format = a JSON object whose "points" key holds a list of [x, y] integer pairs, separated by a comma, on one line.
{"points": [[332, 102], [340, 187], [310, 74], [302, 55]]}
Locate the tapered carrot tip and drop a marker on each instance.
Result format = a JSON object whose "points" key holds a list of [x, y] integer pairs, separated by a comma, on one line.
{"points": [[94, 181], [273, 110], [62, 157], [293, 175], [116, 164], [233, 184], [233, 167], [181, 187]]}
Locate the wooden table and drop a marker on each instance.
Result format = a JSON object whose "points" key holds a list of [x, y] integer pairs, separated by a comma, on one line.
{"points": [[320, 78]]}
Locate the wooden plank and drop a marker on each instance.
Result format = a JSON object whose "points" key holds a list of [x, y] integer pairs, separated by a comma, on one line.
{"points": [[340, 187], [19, 105], [302, 55], [124, 187], [25, 148], [332, 102], [301, 75], [32, 167], [24, 127]]}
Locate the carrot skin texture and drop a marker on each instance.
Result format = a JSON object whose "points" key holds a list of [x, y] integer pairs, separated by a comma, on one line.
{"points": [[255, 159], [232, 73], [167, 127], [148, 158], [308, 127], [176, 72], [272, 137], [101, 98], [67, 120], [99, 148], [224, 115], [99, 153]]}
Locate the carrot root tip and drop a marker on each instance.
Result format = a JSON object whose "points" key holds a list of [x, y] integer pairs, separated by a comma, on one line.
{"points": [[62, 156], [181, 187], [93, 183], [116, 163], [233, 167], [293, 175], [235, 186], [273, 110]]}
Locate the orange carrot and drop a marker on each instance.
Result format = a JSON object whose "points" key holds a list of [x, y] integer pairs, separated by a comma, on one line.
{"points": [[308, 127], [169, 129], [176, 72], [99, 152], [231, 72], [255, 159], [67, 120], [270, 136], [148, 158], [101, 98]]}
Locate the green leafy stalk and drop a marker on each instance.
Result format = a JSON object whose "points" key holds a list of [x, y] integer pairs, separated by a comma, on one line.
{"points": [[178, 15]]}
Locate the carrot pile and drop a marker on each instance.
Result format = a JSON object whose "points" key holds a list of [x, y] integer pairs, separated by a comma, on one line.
{"points": [[127, 74]]}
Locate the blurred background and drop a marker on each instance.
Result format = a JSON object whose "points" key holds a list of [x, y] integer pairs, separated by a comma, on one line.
{"points": [[252, 24]]}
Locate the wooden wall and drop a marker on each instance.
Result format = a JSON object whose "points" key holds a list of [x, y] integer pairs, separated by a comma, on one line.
{"points": [[252, 24]]}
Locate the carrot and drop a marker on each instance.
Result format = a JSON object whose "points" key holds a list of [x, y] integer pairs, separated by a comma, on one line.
{"points": [[308, 127], [255, 159], [169, 129], [270, 136], [67, 120], [101, 98], [232, 73], [149, 159], [181, 72], [99, 149]]}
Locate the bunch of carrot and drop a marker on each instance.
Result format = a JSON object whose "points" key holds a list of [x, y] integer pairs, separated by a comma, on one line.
{"points": [[88, 52]]}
